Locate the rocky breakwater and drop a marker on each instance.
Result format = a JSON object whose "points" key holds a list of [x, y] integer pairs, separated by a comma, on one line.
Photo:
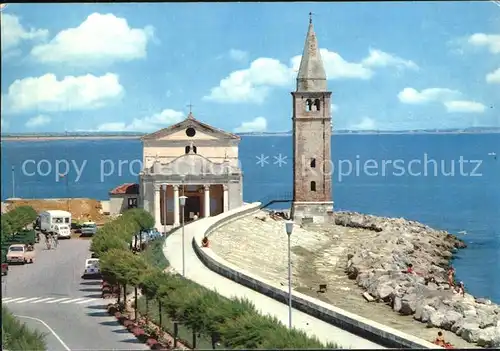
{"points": [[380, 268]]}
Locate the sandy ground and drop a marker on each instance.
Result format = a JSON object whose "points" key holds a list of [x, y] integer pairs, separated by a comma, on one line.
{"points": [[318, 257], [81, 209]]}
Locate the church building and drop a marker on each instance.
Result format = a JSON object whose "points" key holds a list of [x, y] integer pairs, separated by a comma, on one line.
{"points": [[312, 125], [189, 159]]}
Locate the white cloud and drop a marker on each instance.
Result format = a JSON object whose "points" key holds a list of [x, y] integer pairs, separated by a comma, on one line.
{"points": [[13, 32], [100, 39], [413, 96], [366, 123], [38, 121], [490, 41], [258, 124], [238, 55], [464, 106], [334, 108], [252, 84], [157, 121], [378, 58], [493, 77], [46, 93]]}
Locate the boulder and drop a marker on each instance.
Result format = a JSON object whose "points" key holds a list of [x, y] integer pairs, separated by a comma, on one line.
{"points": [[486, 318], [470, 332], [427, 311], [483, 301], [487, 337], [450, 318], [397, 304], [368, 297], [384, 291], [352, 272], [408, 304], [436, 319]]}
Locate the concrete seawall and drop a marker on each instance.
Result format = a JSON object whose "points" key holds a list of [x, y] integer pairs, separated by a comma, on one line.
{"points": [[360, 326]]}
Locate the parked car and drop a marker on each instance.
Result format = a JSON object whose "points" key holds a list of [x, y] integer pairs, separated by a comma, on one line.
{"points": [[5, 265], [5, 268], [88, 228], [154, 234], [20, 253], [92, 268]]}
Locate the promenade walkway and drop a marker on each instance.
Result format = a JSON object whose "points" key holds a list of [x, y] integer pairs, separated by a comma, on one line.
{"points": [[196, 271]]}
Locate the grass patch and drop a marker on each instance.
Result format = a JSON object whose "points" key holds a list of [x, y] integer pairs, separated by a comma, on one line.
{"points": [[17, 336], [154, 254]]}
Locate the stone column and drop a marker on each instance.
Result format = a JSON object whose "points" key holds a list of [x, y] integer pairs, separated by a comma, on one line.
{"points": [[207, 201], [225, 201], [157, 206], [177, 221], [165, 204]]}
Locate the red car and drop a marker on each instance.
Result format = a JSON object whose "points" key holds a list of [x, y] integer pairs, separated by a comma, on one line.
{"points": [[5, 268]]}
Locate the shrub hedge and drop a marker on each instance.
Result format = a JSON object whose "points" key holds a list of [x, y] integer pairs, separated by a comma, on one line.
{"points": [[233, 323], [16, 336]]}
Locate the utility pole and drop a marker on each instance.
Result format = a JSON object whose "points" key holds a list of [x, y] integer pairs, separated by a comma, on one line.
{"points": [[13, 182]]}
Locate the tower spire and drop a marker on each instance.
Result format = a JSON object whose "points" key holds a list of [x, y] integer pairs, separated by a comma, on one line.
{"points": [[311, 76]]}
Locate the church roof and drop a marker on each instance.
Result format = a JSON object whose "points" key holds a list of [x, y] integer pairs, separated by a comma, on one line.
{"points": [[190, 121], [311, 76]]}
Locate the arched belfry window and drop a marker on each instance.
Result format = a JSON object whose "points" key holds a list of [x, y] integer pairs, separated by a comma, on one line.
{"points": [[190, 148], [313, 163], [313, 186], [317, 104], [309, 105]]}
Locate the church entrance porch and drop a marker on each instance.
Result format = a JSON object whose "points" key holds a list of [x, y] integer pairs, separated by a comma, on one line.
{"points": [[203, 200], [193, 206]]}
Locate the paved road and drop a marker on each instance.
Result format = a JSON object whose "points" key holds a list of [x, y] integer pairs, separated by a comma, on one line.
{"points": [[50, 296], [198, 272]]}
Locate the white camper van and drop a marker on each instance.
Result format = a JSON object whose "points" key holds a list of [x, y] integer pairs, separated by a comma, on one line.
{"points": [[56, 222]]}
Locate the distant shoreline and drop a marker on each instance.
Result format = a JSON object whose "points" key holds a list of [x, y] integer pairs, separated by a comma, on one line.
{"points": [[69, 137], [34, 137]]}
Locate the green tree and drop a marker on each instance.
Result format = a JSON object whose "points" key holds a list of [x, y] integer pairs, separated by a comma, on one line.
{"points": [[150, 286], [19, 218], [5, 228], [141, 217], [103, 242]]}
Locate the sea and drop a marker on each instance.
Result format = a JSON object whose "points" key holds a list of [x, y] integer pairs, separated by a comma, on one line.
{"points": [[447, 181]]}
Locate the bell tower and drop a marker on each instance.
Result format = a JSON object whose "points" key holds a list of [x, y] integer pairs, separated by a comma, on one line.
{"points": [[312, 124]]}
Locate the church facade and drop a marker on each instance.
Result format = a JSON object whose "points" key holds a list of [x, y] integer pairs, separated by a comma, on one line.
{"points": [[312, 125], [189, 159]]}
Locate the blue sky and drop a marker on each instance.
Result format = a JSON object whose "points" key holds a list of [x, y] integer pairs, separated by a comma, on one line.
{"points": [[403, 65]]}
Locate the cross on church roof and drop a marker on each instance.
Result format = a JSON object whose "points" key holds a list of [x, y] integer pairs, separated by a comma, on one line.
{"points": [[190, 105], [310, 17]]}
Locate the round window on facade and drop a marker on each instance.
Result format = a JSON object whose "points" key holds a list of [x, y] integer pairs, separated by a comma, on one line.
{"points": [[190, 132]]}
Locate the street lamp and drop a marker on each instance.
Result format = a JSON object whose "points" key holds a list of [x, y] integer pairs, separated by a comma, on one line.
{"points": [[182, 200], [289, 230]]}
